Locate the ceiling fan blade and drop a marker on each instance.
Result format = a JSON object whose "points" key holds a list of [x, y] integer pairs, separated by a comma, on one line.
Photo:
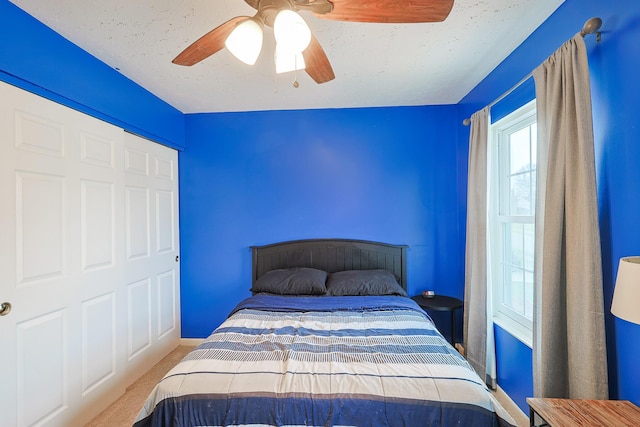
{"points": [[391, 11], [317, 64], [208, 44]]}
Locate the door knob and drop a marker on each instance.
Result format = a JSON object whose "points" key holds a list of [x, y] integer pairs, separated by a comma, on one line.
{"points": [[5, 308]]}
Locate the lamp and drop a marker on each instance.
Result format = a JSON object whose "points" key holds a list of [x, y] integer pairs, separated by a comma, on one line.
{"points": [[626, 296], [287, 60], [290, 31], [292, 37], [245, 41]]}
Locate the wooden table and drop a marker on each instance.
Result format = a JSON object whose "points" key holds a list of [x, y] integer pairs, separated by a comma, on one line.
{"points": [[583, 413]]}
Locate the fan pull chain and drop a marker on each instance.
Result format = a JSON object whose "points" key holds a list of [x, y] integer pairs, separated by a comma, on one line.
{"points": [[295, 72]]}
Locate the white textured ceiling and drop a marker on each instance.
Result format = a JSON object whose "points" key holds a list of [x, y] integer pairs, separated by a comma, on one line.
{"points": [[375, 64]]}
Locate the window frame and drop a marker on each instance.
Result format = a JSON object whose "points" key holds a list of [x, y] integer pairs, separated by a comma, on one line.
{"points": [[511, 321]]}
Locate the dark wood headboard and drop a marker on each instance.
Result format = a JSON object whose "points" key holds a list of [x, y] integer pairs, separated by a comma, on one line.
{"points": [[331, 255]]}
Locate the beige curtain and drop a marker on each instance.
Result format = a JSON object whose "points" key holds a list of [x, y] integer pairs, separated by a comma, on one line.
{"points": [[478, 325], [569, 339]]}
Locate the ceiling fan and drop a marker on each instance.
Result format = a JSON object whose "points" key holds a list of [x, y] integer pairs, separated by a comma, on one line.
{"points": [[299, 49]]}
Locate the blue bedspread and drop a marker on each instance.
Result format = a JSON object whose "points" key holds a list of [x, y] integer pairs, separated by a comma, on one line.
{"points": [[323, 361], [323, 303]]}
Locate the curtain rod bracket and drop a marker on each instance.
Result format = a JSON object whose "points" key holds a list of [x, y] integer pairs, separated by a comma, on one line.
{"points": [[591, 27]]}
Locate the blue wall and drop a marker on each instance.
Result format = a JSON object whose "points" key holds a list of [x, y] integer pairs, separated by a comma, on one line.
{"points": [[384, 174], [37, 59], [616, 109], [515, 367]]}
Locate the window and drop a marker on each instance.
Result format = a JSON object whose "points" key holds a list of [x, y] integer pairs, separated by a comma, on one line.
{"points": [[511, 231]]}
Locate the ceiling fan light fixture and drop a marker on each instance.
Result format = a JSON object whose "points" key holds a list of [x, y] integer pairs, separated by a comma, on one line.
{"points": [[291, 31], [287, 60], [245, 41]]}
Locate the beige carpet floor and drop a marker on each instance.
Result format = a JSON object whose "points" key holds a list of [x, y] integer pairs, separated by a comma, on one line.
{"points": [[123, 411], [521, 419]]}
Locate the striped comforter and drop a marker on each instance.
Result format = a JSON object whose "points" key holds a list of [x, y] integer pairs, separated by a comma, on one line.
{"points": [[323, 361]]}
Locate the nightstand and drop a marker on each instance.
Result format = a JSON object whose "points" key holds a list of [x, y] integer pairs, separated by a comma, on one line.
{"points": [[583, 413], [441, 303]]}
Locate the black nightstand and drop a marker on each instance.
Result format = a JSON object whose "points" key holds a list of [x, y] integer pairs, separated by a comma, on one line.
{"points": [[441, 303]]}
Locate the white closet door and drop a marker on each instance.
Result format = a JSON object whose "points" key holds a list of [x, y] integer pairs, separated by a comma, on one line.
{"points": [[64, 257], [152, 264]]}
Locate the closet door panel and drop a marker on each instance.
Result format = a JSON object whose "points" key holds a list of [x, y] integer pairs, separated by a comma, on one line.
{"points": [[88, 255], [152, 250]]}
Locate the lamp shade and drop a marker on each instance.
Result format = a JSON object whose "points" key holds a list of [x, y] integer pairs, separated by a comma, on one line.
{"points": [[626, 295], [245, 41], [287, 60], [291, 32]]}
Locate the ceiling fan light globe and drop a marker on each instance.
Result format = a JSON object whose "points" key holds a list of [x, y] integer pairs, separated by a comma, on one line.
{"points": [[245, 41], [287, 60], [291, 31]]}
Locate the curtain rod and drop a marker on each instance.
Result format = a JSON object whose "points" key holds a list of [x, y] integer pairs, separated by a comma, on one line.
{"points": [[590, 27]]}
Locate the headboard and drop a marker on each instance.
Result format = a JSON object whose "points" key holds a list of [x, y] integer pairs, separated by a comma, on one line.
{"points": [[331, 255]]}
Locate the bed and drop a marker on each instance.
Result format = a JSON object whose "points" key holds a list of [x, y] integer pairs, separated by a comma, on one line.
{"points": [[328, 338]]}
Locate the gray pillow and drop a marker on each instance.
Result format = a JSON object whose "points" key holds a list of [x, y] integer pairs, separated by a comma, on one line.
{"points": [[292, 281], [363, 282]]}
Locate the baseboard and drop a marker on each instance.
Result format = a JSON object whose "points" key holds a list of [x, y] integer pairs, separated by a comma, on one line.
{"points": [[191, 342]]}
